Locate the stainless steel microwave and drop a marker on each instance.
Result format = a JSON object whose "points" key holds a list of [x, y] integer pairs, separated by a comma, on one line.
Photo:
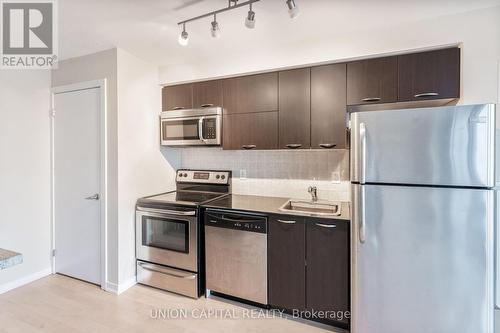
{"points": [[191, 127]]}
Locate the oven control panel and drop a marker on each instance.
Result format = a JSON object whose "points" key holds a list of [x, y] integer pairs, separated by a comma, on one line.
{"points": [[203, 176]]}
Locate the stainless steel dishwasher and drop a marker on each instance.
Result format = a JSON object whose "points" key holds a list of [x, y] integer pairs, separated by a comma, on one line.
{"points": [[236, 254]]}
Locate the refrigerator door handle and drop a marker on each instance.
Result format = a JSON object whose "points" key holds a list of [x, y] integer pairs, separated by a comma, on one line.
{"points": [[362, 139], [361, 218]]}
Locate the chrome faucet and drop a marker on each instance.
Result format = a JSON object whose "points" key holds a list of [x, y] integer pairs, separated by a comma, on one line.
{"points": [[313, 191]]}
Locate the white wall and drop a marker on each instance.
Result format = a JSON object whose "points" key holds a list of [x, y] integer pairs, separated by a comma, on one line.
{"points": [[478, 31], [91, 67], [142, 168], [25, 172]]}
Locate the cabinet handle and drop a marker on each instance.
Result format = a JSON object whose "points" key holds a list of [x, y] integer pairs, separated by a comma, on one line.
{"points": [[427, 94], [248, 147], [326, 225], [207, 105], [371, 99], [327, 145], [293, 145], [287, 221], [178, 108]]}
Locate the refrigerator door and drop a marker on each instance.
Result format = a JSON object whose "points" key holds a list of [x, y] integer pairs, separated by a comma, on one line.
{"points": [[451, 146], [422, 260]]}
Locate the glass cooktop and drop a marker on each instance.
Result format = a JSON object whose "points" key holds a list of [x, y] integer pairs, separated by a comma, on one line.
{"points": [[185, 197]]}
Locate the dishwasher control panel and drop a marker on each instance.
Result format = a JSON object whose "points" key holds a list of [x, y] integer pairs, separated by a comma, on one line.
{"points": [[236, 221]]}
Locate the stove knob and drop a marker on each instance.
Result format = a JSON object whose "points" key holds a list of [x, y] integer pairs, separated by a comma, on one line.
{"points": [[217, 177], [180, 174], [185, 175], [222, 177]]}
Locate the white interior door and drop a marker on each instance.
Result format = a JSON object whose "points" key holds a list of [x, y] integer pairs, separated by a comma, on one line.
{"points": [[77, 161]]}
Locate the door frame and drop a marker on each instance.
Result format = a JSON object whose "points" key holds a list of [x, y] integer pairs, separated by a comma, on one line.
{"points": [[101, 85]]}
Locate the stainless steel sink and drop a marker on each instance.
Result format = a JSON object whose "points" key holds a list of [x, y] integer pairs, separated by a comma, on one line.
{"points": [[314, 208]]}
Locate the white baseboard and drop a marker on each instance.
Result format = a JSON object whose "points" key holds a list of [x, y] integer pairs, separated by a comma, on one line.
{"points": [[25, 280], [119, 288]]}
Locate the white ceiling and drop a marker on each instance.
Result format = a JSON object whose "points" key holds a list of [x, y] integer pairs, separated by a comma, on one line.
{"points": [[148, 28]]}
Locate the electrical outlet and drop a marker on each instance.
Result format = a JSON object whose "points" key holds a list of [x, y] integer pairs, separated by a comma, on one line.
{"points": [[336, 177], [243, 174]]}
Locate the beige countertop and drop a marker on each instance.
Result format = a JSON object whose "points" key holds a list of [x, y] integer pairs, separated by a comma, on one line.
{"points": [[9, 258], [268, 205]]}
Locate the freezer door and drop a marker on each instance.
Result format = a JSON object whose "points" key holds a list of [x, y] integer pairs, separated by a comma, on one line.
{"points": [[422, 260], [431, 146]]}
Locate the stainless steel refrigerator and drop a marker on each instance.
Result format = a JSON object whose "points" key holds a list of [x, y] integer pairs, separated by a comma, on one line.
{"points": [[423, 193]]}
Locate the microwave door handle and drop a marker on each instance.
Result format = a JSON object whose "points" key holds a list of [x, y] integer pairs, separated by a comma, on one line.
{"points": [[200, 128]]}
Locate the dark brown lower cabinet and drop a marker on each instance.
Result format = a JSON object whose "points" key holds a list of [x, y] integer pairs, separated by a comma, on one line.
{"points": [[286, 256], [250, 131], [309, 267], [327, 272]]}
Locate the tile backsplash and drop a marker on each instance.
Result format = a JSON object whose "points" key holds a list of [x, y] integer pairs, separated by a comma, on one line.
{"points": [[279, 173]]}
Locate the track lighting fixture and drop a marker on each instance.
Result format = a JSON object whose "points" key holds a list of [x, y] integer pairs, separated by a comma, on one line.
{"points": [[215, 31], [250, 19], [293, 9], [184, 37]]}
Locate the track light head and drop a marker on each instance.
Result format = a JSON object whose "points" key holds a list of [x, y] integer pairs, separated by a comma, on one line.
{"points": [[293, 9], [214, 30], [250, 19], [184, 36]]}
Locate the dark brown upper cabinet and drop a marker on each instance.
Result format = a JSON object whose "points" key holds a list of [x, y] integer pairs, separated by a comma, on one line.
{"points": [[207, 94], [253, 93], [286, 259], [177, 97], [372, 81], [250, 131], [295, 109], [429, 75], [328, 265], [328, 106]]}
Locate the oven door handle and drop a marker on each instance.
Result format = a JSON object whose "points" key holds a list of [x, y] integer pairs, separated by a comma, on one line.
{"points": [[167, 211], [166, 272]]}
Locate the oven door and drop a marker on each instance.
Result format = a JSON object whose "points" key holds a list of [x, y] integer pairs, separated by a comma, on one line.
{"points": [[167, 237], [191, 131]]}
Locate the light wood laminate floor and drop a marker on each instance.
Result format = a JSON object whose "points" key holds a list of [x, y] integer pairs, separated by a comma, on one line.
{"points": [[61, 304]]}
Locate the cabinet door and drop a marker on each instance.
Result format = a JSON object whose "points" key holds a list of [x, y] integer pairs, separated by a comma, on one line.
{"points": [[327, 258], [429, 75], [372, 81], [286, 270], [250, 131], [177, 97], [295, 108], [328, 106], [207, 94], [253, 93]]}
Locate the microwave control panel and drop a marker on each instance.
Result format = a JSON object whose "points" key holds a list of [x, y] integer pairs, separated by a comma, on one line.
{"points": [[209, 130]]}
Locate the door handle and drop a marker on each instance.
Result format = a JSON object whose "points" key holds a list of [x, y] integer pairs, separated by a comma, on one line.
{"points": [[287, 221], [326, 225], [247, 147], [93, 197], [327, 145], [166, 272], [362, 219], [178, 108], [371, 99], [426, 94], [207, 105], [362, 139], [167, 211], [293, 145], [200, 128]]}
